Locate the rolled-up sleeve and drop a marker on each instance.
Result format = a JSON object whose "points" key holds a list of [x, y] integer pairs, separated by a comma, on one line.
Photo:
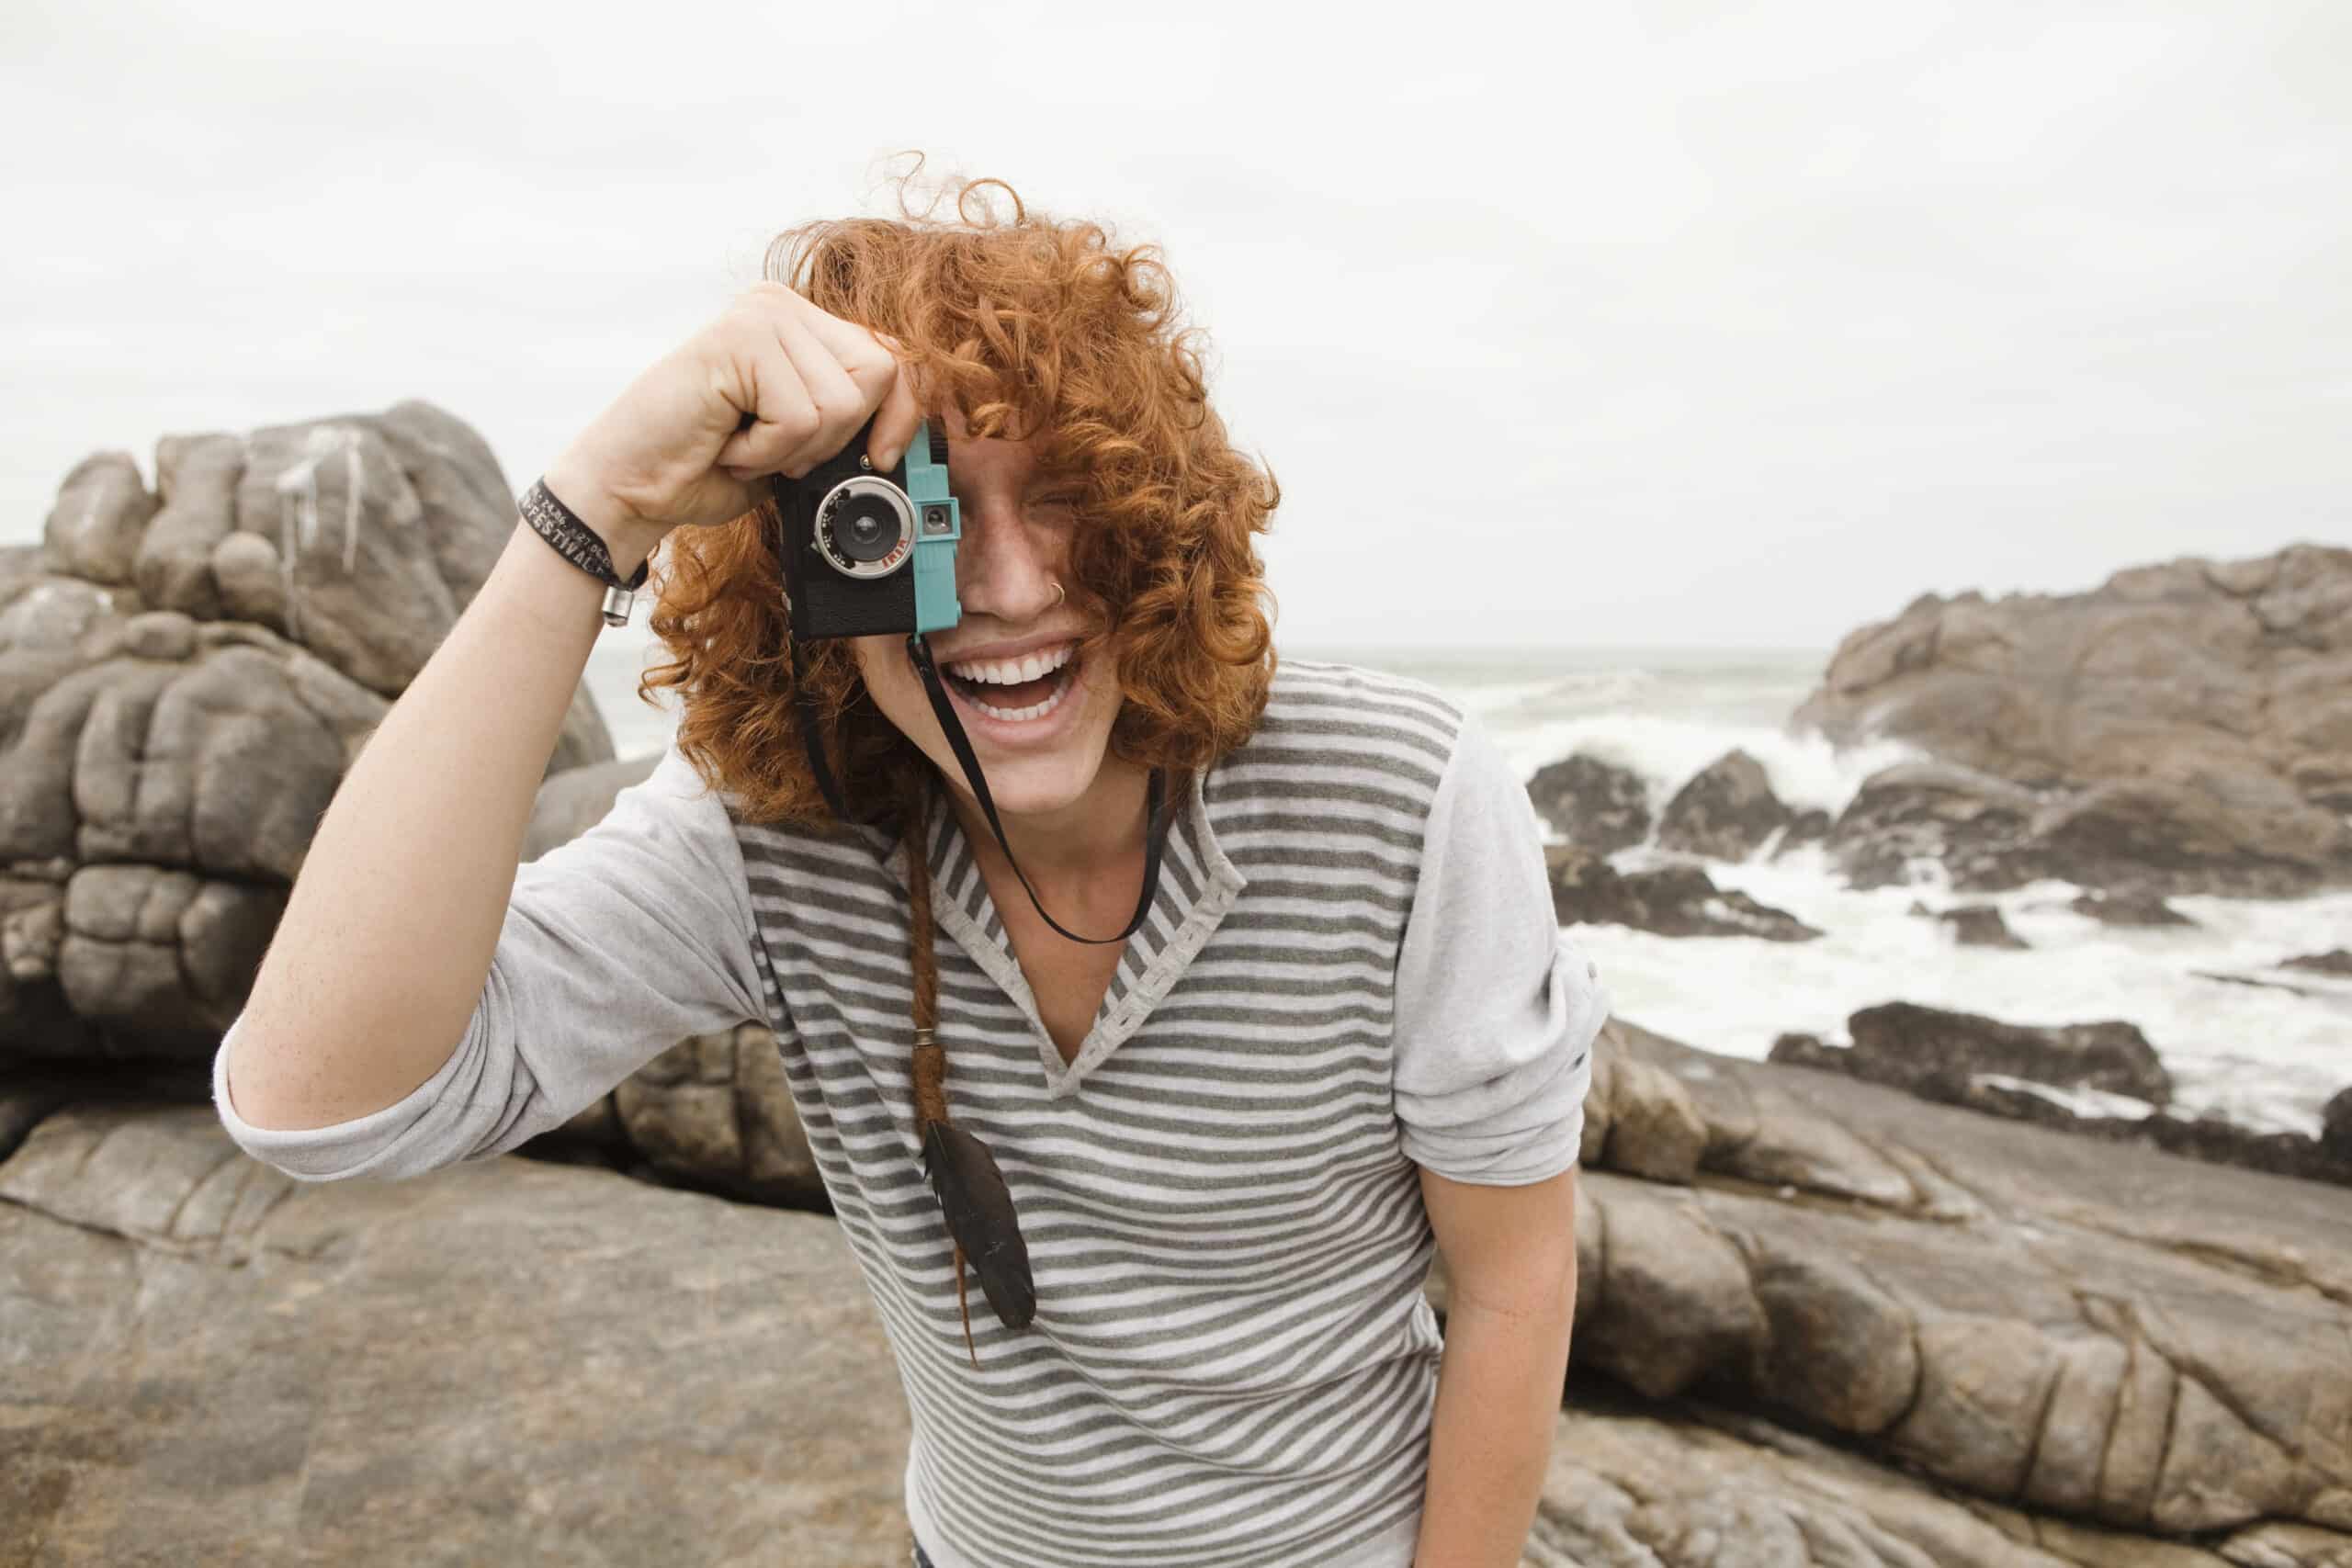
{"points": [[1496, 1011], [615, 945]]}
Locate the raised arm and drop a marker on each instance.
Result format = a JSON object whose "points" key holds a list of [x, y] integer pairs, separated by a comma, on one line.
{"points": [[372, 984], [380, 956]]}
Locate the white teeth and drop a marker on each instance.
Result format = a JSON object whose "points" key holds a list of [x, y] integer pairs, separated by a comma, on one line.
{"points": [[1034, 711], [1013, 672]]}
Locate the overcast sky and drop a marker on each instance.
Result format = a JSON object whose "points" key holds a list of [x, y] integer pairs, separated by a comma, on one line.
{"points": [[1651, 324]]}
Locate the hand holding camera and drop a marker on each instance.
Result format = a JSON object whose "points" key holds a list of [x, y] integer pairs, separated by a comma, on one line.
{"points": [[866, 537], [772, 384]]}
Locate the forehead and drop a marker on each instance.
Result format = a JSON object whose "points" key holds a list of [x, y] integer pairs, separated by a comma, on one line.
{"points": [[972, 461]]}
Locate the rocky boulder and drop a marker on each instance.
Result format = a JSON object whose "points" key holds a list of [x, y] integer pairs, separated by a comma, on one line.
{"points": [[2237, 833], [2190, 723], [2100, 1338], [2208, 1137], [1683, 1485], [2129, 912], [1810, 826], [2135, 840], [1939, 1054], [2063, 1078], [185, 676], [1674, 900], [713, 1111], [1981, 925], [1727, 811], [1977, 826], [360, 536], [1825, 1324], [508, 1361], [2335, 1125], [1595, 805]]}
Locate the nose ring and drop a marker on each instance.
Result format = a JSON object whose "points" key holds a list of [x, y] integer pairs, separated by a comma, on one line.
{"points": [[1058, 595]]}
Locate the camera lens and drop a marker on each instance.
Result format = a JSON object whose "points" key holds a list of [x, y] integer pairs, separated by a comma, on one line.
{"points": [[866, 527]]}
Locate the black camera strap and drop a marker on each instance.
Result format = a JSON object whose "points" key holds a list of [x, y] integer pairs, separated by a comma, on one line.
{"points": [[1158, 817]]}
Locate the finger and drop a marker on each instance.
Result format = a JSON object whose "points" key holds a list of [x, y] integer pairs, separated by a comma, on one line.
{"points": [[896, 422], [872, 360], [841, 404], [783, 416]]}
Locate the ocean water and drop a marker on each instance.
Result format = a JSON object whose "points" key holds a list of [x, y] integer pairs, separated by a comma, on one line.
{"points": [[2265, 1057]]}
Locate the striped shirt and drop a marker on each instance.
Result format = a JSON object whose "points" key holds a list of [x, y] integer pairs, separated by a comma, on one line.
{"points": [[1350, 970]]}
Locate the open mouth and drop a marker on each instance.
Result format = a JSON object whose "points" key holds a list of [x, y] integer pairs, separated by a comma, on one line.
{"points": [[1009, 691]]}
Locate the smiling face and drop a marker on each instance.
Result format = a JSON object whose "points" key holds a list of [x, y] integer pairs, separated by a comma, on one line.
{"points": [[1038, 719]]}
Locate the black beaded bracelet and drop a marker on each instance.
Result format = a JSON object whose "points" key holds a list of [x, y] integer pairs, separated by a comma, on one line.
{"points": [[583, 548]]}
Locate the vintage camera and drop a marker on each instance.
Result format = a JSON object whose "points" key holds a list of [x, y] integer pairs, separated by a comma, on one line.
{"points": [[867, 553]]}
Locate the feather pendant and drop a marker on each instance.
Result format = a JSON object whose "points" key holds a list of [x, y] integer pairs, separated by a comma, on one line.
{"points": [[979, 1208], [965, 1178]]}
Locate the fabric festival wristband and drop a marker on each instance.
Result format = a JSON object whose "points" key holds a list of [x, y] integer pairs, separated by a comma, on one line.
{"points": [[580, 544]]}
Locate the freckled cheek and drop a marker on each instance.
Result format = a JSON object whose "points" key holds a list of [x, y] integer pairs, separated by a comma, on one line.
{"points": [[1102, 686]]}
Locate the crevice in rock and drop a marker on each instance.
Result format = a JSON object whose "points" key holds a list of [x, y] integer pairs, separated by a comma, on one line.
{"points": [[1919, 1202], [1722, 1145], [1919, 1352], [285, 1190], [2041, 1430], [229, 1210], [2088, 1539], [2262, 1269], [228, 1156], [1787, 1194], [89, 1152], [2045, 1532], [1981, 1199], [189, 868], [2189, 1368], [207, 1251], [2115, 1412], [2172, 1419]]}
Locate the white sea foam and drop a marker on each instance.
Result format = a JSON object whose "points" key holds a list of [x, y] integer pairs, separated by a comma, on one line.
{"points": [[2081, 1101], [2265, 1058]]}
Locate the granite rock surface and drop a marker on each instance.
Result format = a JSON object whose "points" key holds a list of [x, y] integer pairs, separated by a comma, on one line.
{"points": [[2183, 728], [185, 674]]}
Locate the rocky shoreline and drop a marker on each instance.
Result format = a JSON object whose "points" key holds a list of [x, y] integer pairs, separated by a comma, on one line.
{"points": [[1818, 1318], [2184, 729], [1833, 1315]]}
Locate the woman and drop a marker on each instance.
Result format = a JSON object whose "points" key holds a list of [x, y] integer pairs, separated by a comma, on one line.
{"points": [[1345, 1033]]}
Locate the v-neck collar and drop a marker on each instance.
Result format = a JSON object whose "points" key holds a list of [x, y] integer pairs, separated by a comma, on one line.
{"points": [[1198, 882]]}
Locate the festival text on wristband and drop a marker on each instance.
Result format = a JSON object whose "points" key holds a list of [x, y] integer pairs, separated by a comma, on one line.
{"points": [[580, 544]]}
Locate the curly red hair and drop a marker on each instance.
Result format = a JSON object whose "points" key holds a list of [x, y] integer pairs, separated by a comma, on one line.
{"points": [[1028, 325]]}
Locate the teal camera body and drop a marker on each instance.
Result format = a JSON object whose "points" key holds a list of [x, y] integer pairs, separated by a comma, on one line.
{"points": [[866, 553], [936, 606]]}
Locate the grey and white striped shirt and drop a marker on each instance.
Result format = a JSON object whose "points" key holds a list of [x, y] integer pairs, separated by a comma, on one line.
{"points": [[1351, 968]]}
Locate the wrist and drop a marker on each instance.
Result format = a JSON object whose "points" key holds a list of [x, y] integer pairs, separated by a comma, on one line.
{"points": [[628, 537]]}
